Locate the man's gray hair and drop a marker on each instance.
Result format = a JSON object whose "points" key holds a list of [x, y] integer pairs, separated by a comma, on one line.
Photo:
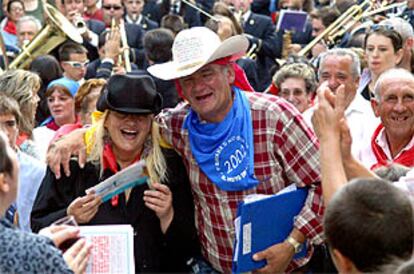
{"points": [[28, 18], [401, 26], [396, 74], [356, 64]]}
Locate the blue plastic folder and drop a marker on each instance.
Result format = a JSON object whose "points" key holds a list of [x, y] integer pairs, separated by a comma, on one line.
{"points": [[263, 222]]}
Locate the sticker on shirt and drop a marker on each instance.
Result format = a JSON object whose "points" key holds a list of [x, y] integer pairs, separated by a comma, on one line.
{"points": [[231, 159]]}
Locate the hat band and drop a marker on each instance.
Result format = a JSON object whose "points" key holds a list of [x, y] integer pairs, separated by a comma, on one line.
{"points": [[191, 65]]}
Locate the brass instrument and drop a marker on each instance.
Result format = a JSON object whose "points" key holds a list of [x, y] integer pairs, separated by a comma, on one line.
{"points": [[124, 56], [80, 24], [200, 10], [251, 53], [287, 41], [340, 26], [382, 9], [57, 30]]}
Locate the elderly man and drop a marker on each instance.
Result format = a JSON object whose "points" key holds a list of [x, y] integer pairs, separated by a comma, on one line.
{"points": [[342, 67], [392, 141], [218, 123], [221, 119]]}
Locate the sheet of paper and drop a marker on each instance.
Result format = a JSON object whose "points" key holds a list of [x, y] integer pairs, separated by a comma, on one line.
{"points": [[127, 178], [112, 249]]}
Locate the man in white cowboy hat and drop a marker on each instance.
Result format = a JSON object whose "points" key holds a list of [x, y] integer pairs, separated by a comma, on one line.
{"points": [[236, 143], [233, 143]]}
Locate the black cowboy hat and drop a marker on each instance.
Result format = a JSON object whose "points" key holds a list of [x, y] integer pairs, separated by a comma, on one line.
{"points": [[133, 94]]}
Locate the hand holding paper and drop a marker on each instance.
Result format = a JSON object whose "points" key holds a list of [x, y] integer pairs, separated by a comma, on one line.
{"points": [[84, 208]]}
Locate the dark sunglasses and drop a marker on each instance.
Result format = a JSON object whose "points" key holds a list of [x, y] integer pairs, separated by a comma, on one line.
{"points": [[114, 7]]}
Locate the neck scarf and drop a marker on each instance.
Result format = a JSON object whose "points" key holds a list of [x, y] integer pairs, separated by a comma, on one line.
{"points": [[224, 151], [406, 158], [109, 162], [10, 27]]}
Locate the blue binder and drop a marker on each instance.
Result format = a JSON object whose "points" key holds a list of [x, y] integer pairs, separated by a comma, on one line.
{"points": [[263, 223]]}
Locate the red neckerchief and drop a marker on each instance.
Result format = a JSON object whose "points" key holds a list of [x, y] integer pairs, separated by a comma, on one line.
{"points": [[109, 162], [406, 158], [53, 126], [10, 27], [21, 138], [240, 79]]}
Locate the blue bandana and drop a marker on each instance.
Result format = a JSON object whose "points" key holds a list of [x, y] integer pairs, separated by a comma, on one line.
{"points": [[224, 151]]}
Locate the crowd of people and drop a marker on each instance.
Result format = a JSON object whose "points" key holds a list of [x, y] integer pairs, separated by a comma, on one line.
{"points": [[221, 102]]}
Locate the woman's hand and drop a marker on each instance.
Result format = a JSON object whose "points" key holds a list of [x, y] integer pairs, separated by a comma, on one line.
{"points": [[84, 208], [159, 199], [76, 257]]}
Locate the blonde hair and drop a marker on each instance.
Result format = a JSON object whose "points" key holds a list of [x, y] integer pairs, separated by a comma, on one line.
{"points": [[154, 158], [22, 85]]}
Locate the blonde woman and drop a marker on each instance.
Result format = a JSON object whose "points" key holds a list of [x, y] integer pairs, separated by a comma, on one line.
{"points": [[162, 216], [23, 86]]}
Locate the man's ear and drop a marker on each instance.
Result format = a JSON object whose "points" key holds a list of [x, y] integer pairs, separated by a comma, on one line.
{"points": [[231, 74], [343, 264], [4, 186], [375, 107]]}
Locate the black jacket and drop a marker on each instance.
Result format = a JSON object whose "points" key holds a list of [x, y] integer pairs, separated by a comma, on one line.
{"points": [[153, 251]]}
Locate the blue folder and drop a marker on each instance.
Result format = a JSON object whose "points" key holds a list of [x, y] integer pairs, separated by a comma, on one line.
{"points": [[264, 223]]}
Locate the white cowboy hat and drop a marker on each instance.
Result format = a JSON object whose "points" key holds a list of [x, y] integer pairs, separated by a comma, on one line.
{"points": [[196, 47]]}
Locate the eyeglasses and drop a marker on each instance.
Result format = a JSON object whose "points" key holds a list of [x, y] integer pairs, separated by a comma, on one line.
{"points": [[76, 64], [114, 7], [377, 27]]}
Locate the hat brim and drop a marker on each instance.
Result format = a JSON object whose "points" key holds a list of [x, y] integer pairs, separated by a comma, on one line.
{"points": [[234, 46], [103, 104]]}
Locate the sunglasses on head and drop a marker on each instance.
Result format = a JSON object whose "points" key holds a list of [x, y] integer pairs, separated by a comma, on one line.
{"points": [[114, 7], [76, 64], [377, 27]]}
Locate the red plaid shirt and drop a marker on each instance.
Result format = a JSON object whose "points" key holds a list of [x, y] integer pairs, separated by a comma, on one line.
{"points": [[285, 152]]}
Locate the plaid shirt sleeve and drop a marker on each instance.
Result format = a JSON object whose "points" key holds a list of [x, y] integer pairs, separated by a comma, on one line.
{"points": [[298, 149]]}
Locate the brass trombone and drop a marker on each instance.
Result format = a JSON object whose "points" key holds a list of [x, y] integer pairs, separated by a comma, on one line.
{"points": [[340, 26]]}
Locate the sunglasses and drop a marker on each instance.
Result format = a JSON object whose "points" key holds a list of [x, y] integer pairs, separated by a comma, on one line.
{"points": [[76, 64], [377, 27], [114, 7]]}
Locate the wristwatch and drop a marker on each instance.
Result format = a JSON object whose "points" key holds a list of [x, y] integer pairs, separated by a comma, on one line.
{"points": [[296, 245]]}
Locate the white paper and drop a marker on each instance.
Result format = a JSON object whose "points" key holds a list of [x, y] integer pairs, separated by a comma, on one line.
{"points": [[112, 249], [129, 177]]}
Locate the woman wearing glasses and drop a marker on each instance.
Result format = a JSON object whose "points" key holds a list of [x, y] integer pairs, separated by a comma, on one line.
{"points": [[15, 10], [383, 50]]}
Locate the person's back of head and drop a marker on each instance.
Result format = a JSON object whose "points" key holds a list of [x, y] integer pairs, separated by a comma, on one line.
{"points": [[158, 44], [47, 67], [173, 22], [369, 222]]}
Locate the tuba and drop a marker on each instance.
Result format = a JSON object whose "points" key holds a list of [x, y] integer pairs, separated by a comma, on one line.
{"points": [[56, 31]]}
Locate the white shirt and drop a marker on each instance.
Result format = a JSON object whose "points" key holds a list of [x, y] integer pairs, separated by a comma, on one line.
{"points": [[361, 121], [367, 156]]}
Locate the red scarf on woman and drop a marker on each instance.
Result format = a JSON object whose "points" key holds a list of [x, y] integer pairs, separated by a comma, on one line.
{"points": [[109, 162], [406, 158], [10, 27]]}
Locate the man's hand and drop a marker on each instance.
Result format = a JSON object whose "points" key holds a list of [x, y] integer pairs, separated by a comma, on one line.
{"points": [[112, 47], [84, 208], [59, 152], [329, 112], [278, 257]]}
